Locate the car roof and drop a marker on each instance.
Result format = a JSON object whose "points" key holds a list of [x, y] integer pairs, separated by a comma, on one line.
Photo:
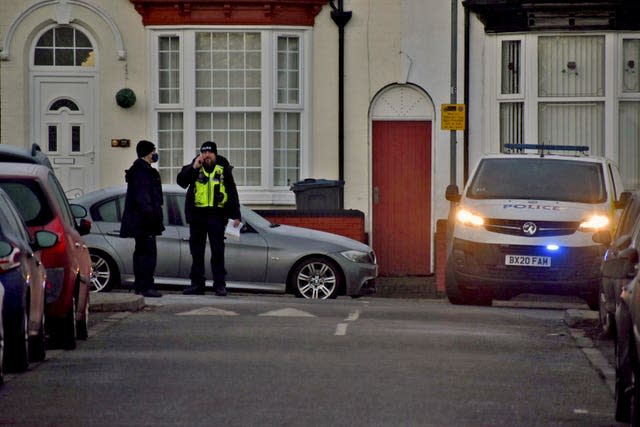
{"points": [[107, 192], [580, 157], [14, 154], [22, 170]]}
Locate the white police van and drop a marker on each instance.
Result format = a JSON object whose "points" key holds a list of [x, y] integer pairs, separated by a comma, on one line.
{"points": [[524, 224]]}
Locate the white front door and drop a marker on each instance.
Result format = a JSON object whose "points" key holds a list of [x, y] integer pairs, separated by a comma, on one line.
{"points": [[65, 129]]}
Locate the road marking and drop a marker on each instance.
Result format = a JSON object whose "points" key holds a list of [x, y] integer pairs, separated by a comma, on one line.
{"points": [[341, 329], [353, 316], [287, 312], [208, 311]]}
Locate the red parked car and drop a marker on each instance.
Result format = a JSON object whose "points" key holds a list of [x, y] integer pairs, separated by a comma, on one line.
{"points": [[24, 278], [43, 205]]}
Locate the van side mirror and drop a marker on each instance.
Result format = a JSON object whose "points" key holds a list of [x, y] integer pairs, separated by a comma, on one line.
{"points": [[602, 236], [452, 193], [624, 199]]}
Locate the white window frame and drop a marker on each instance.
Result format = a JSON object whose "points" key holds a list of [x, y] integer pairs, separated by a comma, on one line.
{"points": [[267, 193]]}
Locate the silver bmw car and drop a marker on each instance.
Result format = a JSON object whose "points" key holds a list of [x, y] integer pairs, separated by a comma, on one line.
{"points": [[267, 257]]}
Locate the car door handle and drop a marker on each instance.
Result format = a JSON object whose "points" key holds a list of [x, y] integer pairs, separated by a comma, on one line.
{"points": [[114, 233], [376, 195]]}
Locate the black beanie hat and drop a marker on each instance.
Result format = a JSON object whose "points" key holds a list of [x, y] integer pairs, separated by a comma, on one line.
{"points": [[144, 147], [209, 146]]}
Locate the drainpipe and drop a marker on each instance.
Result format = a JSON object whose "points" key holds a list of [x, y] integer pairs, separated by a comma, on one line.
{"points": [[341, 18], [467, 26], [454, 87]]}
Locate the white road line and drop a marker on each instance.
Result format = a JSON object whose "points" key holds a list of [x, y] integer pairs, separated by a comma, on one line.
{"points": [[341, 329], [353, 316]]}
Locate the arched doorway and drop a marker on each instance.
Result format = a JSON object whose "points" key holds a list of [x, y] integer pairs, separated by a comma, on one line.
{"points": [[401, 123]]}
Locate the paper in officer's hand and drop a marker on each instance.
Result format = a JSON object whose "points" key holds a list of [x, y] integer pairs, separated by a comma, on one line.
{"points": [[232, 232]]}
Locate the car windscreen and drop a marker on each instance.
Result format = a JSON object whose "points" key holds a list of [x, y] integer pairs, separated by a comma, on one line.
{"points": [[29, 199], [539, 179]]}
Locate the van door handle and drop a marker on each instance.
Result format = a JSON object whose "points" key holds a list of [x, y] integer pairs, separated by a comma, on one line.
{"points": [[376, 195]]}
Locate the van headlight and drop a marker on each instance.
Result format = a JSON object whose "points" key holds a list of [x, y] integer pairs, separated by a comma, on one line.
{"points": [[594, 223], [356, 256], [469, 218]]}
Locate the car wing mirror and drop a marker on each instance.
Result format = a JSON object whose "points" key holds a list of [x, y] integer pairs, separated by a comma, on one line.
{"points": [[632, 267], [452, 193], [44, 239], [78, 211]]}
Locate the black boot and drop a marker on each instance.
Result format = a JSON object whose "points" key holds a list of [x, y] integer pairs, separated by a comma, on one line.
{"points": [[220, 289], [151, 293], [194, 290]]}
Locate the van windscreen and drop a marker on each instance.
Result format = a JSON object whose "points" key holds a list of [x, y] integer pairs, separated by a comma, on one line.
{"points": [[538, 179]]}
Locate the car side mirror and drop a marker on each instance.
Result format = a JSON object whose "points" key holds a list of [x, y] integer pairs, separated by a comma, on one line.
{"points": [[631, 254], [78, 211], [602, 236], [44, 239], [84, 227], [452, 193]]}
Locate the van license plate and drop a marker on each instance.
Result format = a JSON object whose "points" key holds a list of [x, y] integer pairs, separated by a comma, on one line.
{"points": [[528, 260]]}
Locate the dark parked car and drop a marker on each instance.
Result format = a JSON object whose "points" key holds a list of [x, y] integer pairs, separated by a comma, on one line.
{"points": [[41, 201], [610, 285], [13, 154], [266, 257], [627, 389], [1, 335], [23, 276]]}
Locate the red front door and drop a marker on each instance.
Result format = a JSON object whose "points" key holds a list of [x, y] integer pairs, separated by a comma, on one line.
{"points": [[402, 197]]}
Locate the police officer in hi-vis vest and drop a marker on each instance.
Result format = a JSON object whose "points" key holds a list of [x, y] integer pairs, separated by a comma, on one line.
{"points": [[212, 198]]}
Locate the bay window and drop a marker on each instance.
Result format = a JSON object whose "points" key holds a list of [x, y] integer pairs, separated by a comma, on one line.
{"points": [[244, 89]]}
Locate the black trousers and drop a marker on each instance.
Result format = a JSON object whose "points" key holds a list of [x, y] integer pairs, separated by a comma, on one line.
{"points": [[211, 226], [145, 256]]}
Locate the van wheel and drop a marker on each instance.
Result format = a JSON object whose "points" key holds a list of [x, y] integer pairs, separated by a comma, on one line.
{"points": [[454, 294], [593, 301]]}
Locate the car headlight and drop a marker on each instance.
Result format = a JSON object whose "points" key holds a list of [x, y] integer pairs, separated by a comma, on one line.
{"points": [[595, 222], [468, 218], [356, 256]]}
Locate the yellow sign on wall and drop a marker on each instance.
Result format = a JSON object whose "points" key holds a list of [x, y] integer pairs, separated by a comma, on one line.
{"points": [[453, 116]]}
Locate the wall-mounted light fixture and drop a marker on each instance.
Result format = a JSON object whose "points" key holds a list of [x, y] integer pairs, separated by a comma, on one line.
{"points": [[572, 68]]}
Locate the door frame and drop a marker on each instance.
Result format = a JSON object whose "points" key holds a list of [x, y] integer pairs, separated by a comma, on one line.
{"points": [[36, 112], [403, 102]]}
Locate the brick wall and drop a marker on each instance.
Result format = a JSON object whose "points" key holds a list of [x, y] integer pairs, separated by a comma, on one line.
{"points": [[348, 223]]}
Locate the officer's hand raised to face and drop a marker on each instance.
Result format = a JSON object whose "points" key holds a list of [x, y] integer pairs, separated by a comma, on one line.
{"points": [[197, 163]]}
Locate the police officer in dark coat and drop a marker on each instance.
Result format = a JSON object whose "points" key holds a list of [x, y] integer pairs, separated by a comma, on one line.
{"points": [[212, 198], [142, 217]]}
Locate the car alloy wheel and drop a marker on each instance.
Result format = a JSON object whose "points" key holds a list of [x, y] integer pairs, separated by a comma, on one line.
{"points": [[316, 278], [104, 272]]}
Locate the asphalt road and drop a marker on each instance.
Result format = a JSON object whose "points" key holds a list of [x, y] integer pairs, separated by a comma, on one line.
{"points": [[275, 360]]}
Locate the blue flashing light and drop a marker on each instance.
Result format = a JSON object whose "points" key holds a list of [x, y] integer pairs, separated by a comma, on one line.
{"points": [[553, 247]]}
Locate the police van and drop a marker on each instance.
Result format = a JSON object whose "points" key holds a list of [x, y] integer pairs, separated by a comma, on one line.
{"points": [[524, 224]]}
